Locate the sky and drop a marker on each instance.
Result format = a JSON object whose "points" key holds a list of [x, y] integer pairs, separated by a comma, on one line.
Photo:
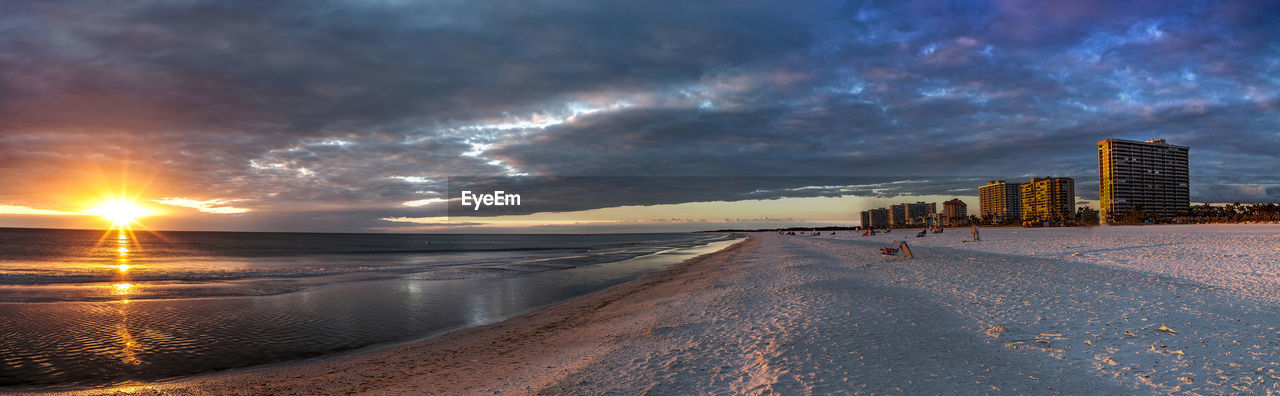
{"points": [[355, 115]]}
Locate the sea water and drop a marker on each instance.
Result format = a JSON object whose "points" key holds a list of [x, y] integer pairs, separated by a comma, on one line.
{"points": [[88, 308]]}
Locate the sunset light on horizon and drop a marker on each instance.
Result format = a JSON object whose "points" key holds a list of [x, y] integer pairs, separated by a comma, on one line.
{"points": [[121, 212], [317, 138], [569, 197]]}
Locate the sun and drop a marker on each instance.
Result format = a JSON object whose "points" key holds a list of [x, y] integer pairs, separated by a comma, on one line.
{"points": [[120, 212]]}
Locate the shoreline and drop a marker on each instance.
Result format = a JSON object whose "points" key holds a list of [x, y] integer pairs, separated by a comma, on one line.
{"points": [[248, 380], [792, 314]]}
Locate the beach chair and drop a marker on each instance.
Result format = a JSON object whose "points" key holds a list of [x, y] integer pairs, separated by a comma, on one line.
{"points": [[898, 251]]}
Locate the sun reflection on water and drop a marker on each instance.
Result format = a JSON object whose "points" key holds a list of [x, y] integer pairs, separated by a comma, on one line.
{"points": [[122, 253], [129, 346], [124, 287]]}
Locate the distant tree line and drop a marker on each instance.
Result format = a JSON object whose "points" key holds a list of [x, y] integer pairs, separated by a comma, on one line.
{"points": [[1203, 214], [998, 221], [1230, 213], [1083, 216], [1087, 216]]}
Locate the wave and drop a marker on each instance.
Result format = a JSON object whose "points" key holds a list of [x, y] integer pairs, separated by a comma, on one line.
{"points": [[42, 285], [512, 249]]}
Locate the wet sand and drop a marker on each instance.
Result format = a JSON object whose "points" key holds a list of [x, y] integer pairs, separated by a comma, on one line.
{"points": [[793, 314]]}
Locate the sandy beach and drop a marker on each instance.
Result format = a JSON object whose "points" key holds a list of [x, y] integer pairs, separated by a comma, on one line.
{"points": [[1014, 313]]}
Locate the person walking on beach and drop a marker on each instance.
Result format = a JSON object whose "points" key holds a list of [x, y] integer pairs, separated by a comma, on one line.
{"points": [[973, 233]]}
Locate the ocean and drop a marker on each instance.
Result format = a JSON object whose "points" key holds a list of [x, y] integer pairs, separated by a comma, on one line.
{"points": [[90, 308]]}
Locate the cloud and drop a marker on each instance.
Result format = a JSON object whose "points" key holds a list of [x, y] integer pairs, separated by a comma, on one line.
{"points": [[336, 114], [23, 210], [424, 202], [578, 193], [217, 206]]}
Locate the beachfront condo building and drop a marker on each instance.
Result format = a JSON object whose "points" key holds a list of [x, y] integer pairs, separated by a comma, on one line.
{"points": [[1047, 199], [905, 214], [999, 201], [875, 218], [1150, 175], [898, 214], [919, 213], [955, 212]]}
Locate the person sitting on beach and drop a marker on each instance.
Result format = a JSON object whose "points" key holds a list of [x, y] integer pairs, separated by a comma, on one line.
{"points": [[899, 246], [922, 233]]}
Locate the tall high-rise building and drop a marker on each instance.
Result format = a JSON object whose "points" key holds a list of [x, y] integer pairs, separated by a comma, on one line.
{"points": [[898, 214], [875, 218], [999, 201], [1048, 199], [905, 214], [1152, 175], [919, 212], [955, 212]]}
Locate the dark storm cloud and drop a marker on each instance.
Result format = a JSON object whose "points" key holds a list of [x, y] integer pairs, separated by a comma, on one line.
{"points": [[341, 111], [288, 104], [968, 89]]}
